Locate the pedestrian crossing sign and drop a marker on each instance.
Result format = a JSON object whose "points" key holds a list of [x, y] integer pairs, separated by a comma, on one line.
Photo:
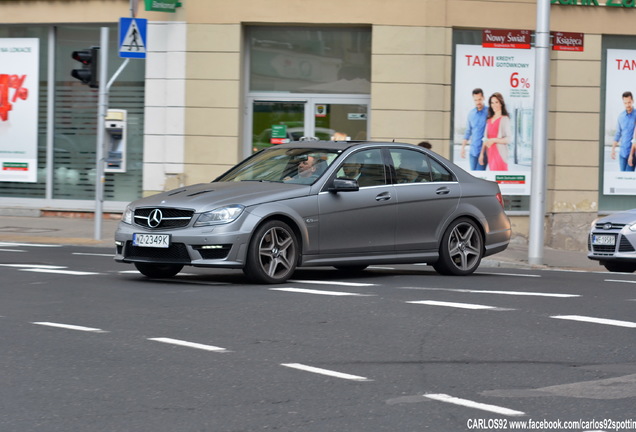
{"points": [[132, 37]]}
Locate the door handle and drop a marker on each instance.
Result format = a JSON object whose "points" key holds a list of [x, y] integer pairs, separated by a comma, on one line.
{"points": [[384, 196], [442, 191]]}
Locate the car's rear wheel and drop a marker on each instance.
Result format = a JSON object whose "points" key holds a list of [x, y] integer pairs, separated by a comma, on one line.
{"points": [[620, 267], [153, 270], [273, 253], [461, 250]]}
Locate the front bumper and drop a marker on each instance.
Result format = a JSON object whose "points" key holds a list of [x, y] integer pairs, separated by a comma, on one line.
{"points": [[215, 246], [623, 248]]}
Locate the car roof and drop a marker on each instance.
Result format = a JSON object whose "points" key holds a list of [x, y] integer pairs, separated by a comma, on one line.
{"points": [[338, 145]]}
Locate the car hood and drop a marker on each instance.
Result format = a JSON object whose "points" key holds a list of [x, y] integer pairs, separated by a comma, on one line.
{"points": [[624, 217], [203, 197]]}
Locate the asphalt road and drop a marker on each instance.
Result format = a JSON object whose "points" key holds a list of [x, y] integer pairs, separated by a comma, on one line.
{"points": [[90, 345]]}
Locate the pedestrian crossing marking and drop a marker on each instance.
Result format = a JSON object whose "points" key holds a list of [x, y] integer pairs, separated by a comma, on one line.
{"points": [[132, 37], [133, 41]]}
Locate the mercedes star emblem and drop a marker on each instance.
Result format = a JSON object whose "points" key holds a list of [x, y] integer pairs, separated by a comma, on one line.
{"points": [[154, 218]]}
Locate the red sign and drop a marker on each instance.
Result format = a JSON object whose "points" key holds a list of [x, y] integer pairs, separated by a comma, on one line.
{"points": [[562, 41], [520, 39], [13, 82]]}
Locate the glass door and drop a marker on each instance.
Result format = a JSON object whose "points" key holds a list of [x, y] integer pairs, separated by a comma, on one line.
{"points": [[276, 122], [272, 121], [339, 120]]}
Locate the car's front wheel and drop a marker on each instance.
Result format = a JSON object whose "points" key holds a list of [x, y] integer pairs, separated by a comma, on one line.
{"points": [[273, 253], [152, 270], [620, 267], [461, 249]]}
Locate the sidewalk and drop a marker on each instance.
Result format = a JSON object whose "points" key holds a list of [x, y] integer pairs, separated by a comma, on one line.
{"points": [[81, 231], [56, 230]]}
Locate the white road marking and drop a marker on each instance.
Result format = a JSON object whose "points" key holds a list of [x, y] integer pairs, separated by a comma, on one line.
{"points": [[471, 404], [455, 305], [381, 268], [189, 344], [93, 254], [517, 293], [605, 321], [319, 292], [177, 278], [55, 271], [353, 284], [510, 274], [325, 372], [70, 327], [12, 250], [32, 266], [29, 244], [620, 281]]}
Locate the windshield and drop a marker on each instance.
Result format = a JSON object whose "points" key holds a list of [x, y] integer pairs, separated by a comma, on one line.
{"points": [[284, 165]]}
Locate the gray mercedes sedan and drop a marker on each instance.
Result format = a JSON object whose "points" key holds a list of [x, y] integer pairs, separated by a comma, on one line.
{"points": [[320, 203]]}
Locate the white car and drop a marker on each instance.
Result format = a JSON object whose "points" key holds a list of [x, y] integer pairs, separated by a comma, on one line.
{"points": [[612, 241]]}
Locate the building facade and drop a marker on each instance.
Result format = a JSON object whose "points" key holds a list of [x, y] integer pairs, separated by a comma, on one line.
{"points": [[223, 79]]}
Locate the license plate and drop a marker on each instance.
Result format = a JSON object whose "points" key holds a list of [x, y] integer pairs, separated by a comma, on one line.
{"points": [[151, 240], [607, 240]]}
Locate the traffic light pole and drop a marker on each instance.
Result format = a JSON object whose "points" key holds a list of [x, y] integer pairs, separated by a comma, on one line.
{"points": [[102, 108]]}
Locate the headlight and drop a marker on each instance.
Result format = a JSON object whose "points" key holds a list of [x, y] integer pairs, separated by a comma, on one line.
{"points": [[127, 217], [219, 216], [593, 224], [632, 227]]}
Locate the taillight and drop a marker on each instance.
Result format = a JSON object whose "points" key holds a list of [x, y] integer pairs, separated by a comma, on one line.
{"points": [[500, 199]]}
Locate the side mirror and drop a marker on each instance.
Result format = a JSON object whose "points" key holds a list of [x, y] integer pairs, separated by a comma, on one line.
{"points": [[342, 184]]}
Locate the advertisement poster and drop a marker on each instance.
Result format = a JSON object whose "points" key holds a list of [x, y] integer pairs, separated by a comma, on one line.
{"points": [[509, 72], [619, 177], [19, 83]]}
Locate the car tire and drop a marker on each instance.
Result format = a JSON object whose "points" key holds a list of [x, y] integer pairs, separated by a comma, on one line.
{"points": [[461, 249], [273, 253], [152, 270], [620, 267]]}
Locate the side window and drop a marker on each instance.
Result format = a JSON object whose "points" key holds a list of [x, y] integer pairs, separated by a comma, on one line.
{"points": [[365, 166], [440, 174], [411, 166]]}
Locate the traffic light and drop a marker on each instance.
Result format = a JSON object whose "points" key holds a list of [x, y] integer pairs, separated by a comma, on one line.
{"points": [[88, 74]]}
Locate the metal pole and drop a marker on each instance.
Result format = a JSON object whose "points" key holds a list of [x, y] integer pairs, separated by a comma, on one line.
{"points": [[539, 166], [102, 107], [114, 77], [50, 115]]}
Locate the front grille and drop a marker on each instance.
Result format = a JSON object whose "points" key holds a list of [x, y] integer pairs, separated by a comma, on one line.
{"points": [[162, 217], [612, 226], [177, 253], [625, 245], [604, 248]]}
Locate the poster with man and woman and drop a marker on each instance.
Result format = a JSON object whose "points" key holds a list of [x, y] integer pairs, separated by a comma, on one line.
{"points": [[618, 154], [493, 115]]}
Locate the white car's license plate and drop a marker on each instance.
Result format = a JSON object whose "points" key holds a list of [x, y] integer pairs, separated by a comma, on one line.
{"points": [[607, 240], [151, 240]]}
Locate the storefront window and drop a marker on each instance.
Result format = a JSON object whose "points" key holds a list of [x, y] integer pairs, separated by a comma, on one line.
{"points": [[75, 119], [28, 189], [310, 60]]}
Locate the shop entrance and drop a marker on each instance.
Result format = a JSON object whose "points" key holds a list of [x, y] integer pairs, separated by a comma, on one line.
{"points": [[274, 121]]}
